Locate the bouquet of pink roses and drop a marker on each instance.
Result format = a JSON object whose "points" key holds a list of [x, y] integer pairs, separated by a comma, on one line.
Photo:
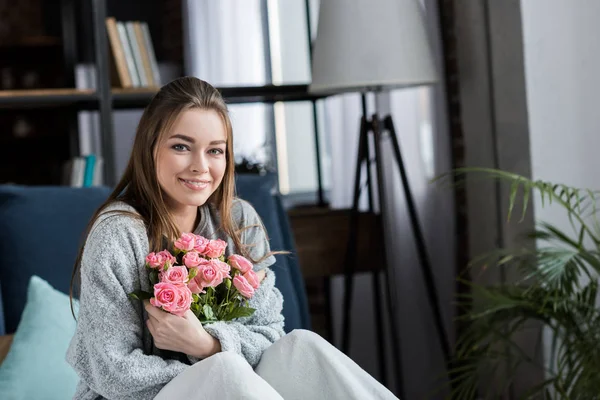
{"points": [[196, 276]]}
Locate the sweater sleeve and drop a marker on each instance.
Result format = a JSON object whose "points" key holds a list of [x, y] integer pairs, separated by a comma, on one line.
{"points": [[107, 349], [250, 336]]}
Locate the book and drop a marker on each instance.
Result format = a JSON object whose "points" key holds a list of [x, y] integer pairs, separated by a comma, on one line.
{"points": [[88, 175], [136, 52], [150, 48], [145, 55], [77, 172], [98, 172], [135, 79], [120, 72]]}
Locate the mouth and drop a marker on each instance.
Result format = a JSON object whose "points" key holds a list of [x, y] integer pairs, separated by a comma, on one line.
{"points": [[195, 184]]}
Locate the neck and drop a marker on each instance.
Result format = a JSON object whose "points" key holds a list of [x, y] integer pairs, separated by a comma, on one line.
{"points": [[186, 220]]}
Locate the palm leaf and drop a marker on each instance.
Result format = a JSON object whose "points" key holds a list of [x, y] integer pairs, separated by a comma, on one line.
{"points": [[558, 289]]}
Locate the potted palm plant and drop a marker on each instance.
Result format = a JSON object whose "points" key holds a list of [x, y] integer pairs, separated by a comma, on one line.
{"points": [[557, 291]]}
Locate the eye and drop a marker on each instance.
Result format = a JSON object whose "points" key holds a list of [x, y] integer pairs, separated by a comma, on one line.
{"points": [[216, 151], [180, 147]]}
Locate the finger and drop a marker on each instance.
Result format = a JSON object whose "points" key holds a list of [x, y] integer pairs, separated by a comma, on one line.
{"points": [[155, 321], [150, 326], [154, 311], [261, 274]]}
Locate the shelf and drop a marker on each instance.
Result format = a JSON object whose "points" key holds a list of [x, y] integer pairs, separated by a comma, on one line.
{"points": [[268, 94], [33, 41], [38, 98], [132, 97], [139, 98]]}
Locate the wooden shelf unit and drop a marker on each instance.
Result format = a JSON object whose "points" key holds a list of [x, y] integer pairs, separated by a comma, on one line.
{"points": [[104, 99]]}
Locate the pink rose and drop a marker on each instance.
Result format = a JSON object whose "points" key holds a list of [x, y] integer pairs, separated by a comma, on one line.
{"points": [[242, 285], [186, 242], [175, 299], [201, 243], [168, 257], [195, 286], [154, 260], [175, 275], [192, 259], [209, 275], [158, 260], [215, 248], [240, 263], [223, 267], [252, 278]]}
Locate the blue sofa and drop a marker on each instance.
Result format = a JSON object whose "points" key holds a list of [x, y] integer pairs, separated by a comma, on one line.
{"points": [[43, 227]]}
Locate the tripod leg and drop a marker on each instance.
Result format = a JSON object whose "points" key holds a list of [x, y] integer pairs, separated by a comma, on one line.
{"points": [[350, 259], [328, 312], [376, 282], [393, 316], [421, 247], [379, 327]]}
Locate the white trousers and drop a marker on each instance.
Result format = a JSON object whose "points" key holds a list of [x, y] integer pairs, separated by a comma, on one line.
{"points": [[301, 365]]}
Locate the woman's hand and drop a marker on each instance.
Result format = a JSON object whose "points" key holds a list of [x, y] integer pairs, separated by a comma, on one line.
{"points": [[261, 274], [182, 334]]}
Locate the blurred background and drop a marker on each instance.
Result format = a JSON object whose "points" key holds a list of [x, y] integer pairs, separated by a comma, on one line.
{"points": [[504, 84]]}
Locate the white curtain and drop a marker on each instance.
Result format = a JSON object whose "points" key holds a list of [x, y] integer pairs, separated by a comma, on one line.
{"points": [[224, 45]]}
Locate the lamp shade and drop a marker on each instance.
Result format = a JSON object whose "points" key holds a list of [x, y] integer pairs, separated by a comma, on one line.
{"points": [[370, 44]]}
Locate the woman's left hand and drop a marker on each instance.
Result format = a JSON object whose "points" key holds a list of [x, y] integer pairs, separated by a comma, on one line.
{"points": [[181, 334]]}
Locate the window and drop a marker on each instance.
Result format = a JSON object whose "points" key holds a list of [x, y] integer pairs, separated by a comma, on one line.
{"points": [[254, 43]]}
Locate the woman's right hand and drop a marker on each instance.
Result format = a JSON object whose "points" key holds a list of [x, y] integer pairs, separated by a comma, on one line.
{"points": [[181, 334]]}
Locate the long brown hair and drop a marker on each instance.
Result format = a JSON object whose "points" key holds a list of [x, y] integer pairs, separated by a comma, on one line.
{"points": [[139, 185]]}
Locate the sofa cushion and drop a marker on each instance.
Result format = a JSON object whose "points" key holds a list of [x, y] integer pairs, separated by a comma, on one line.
{"points": [[41, 230], [260, 191], [35, 366]]}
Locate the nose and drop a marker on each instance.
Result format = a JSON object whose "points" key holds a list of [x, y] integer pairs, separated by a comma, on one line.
{"points": [[199, 164]]}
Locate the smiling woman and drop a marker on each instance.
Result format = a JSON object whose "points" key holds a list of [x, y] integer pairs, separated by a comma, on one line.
{"points": [[191, 163], [180, 179]]}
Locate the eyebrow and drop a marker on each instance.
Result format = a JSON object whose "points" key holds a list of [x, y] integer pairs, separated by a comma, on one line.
{"points": [[190, 139]]}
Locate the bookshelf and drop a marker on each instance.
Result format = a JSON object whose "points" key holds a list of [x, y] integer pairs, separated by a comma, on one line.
{"points": [[64, 102], [106, 98]]}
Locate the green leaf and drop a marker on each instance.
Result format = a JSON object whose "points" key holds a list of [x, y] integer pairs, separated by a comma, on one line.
{"points": [[193, 273], [556, 287], [514, 189], [526, 194], [239, 313], [154, 277], [195, 298], [208, 312], [195, 309], [140, 295]]}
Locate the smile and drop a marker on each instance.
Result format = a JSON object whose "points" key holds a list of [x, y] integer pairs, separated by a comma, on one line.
{"points": [[194, 184]]}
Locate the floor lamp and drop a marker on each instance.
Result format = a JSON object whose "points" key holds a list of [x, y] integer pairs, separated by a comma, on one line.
{"points": [[369, 46]]}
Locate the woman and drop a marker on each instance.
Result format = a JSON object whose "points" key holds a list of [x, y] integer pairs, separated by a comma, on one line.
{"points": [[180, 179]]}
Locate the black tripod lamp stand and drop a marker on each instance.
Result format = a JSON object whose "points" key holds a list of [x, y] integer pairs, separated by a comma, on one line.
{"points": [[375, 45]]}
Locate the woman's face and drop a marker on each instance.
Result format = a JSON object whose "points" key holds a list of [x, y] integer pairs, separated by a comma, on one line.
{"points": [[191, 159]]}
